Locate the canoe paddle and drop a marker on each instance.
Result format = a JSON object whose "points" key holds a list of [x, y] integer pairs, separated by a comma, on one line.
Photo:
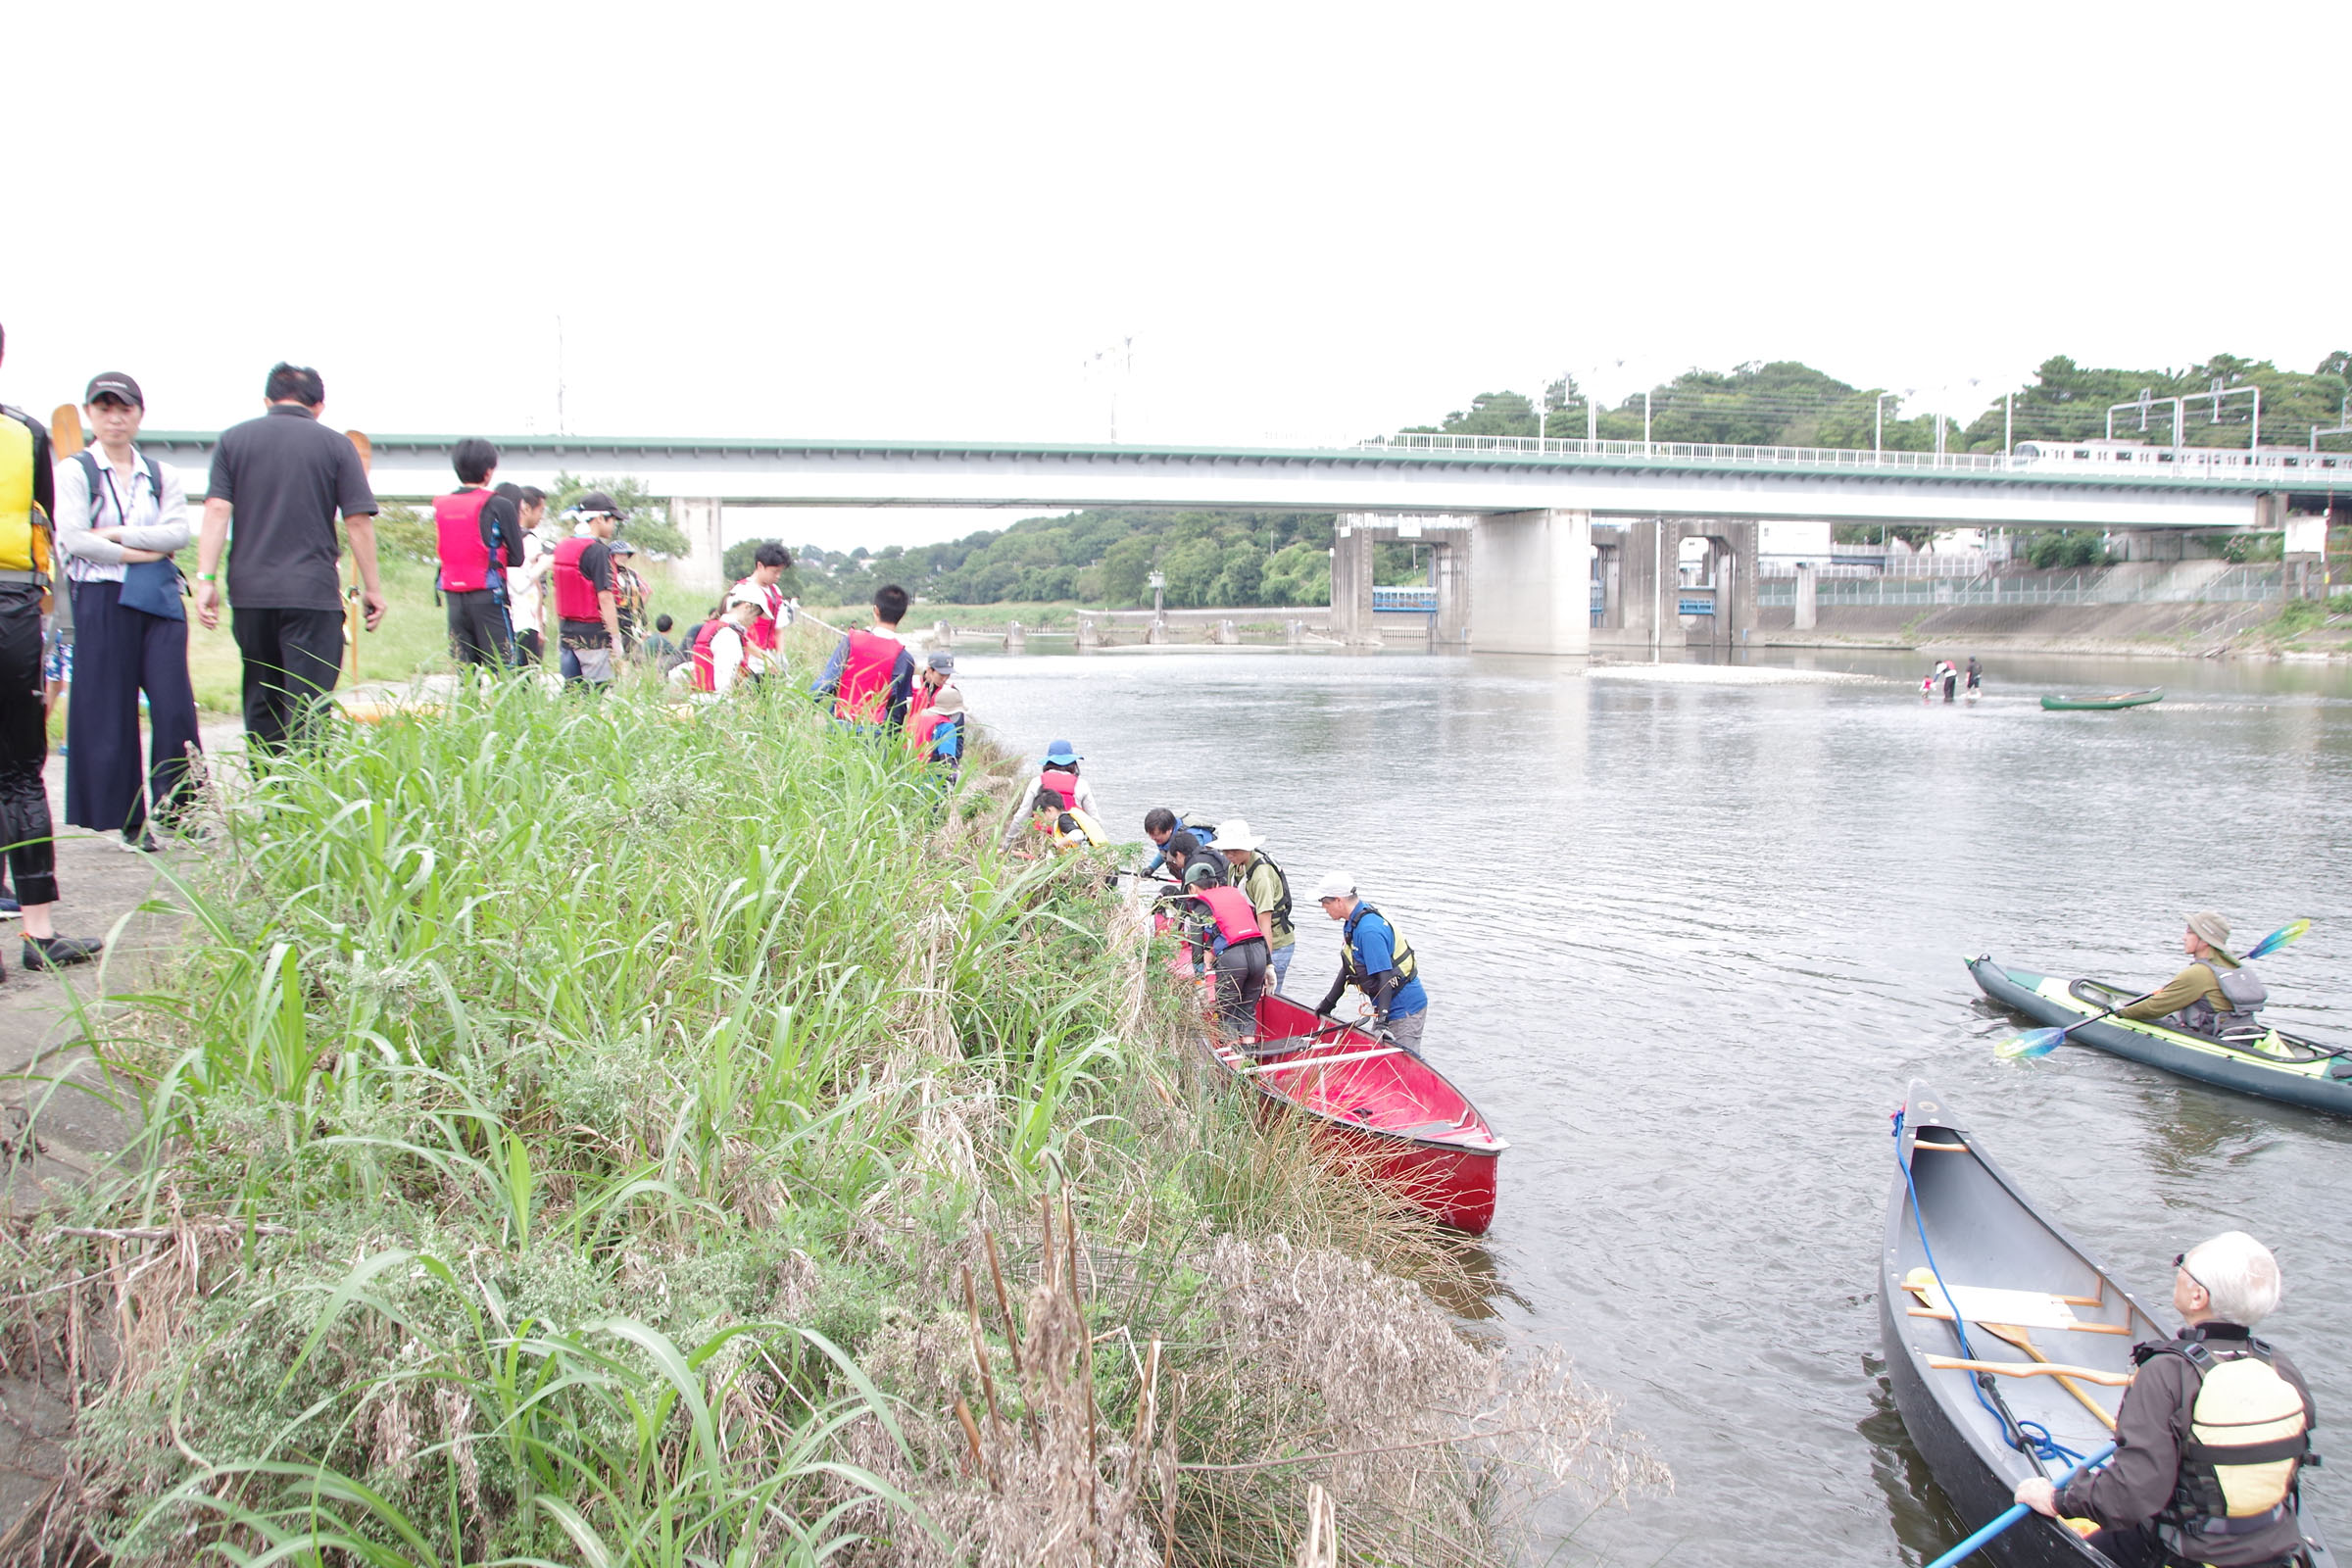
{"points": [[2017, 1510], [2041, 1041]]}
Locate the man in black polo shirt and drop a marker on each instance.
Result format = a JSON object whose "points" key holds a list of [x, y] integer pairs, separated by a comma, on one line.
{"points": [[27, 498], [284, 476]]}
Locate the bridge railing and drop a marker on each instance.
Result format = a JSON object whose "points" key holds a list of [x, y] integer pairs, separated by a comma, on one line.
{"points": [[2235, 585], [2176, 462], [1698, 452]]}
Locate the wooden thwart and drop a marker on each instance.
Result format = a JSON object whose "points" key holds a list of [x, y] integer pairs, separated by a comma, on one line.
{"points": [[2031, 1369]]}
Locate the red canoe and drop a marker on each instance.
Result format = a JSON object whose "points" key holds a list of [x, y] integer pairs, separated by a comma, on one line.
{"points": [[1385, 1113]]}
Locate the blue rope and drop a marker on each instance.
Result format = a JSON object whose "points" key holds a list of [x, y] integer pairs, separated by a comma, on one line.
{"points": [[2028, 1437]]}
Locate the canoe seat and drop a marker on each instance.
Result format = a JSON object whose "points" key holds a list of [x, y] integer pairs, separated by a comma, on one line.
{"points": [[1428, 1128]]}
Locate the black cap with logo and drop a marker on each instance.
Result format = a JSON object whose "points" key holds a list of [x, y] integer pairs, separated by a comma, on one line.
{"points": [[114, 384]]}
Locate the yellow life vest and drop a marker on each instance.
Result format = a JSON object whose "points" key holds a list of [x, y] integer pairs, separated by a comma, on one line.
{"points": [[2247, 1440], [23, 525], [1083, 833]]}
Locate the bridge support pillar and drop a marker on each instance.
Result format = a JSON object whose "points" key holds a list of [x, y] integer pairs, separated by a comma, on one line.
{"points": [[1532, 580], [1808, 611], [1351, 577], [704, 563], [1453, 572]]}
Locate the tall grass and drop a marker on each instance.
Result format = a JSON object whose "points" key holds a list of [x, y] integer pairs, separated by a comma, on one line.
{"points": [[567, 1136]]}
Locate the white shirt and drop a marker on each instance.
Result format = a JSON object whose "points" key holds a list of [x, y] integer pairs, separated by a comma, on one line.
{"points": [[729, 657], [153, 522]]}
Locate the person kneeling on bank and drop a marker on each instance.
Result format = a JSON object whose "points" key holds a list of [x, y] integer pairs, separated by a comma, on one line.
{"points": [[1377, 961], [2211, 1436]]}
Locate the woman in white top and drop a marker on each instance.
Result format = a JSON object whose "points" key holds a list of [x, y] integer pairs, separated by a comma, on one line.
{"points": [[117, 509]]}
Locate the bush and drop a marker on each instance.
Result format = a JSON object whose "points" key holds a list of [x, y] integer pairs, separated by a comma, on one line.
{"points": [[2068, 546]]}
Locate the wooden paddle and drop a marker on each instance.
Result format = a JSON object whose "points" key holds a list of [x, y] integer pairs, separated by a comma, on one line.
{"points": [[351, 591], [2024, 1341], [2020, 1336], [65, 439]]}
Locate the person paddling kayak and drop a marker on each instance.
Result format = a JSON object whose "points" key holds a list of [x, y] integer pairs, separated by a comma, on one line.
{"points": [[2214, 995], [1376, 962], [2213, 1434]]}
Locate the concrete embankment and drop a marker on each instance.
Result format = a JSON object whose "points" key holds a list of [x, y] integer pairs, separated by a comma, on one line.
{"points": [[2155, 630]]}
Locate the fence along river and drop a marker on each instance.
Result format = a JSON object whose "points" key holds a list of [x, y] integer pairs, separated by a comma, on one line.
{"points": [[1688, 941]]}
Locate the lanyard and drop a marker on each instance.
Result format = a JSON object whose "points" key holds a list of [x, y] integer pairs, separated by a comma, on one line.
{"points": [[106, 471]]}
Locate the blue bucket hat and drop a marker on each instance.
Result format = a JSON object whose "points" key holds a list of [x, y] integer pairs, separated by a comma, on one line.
{"points": [[1059, 751]]}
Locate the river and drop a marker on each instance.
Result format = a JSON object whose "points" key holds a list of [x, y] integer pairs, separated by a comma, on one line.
{"points": [[1686, 943]]}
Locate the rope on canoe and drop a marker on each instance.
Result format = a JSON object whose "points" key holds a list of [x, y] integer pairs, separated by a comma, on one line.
{"points": [[2027, 1436]]}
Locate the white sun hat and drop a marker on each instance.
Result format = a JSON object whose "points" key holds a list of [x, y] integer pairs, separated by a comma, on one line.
{"points": [[1334, 885], [1235, 834]]}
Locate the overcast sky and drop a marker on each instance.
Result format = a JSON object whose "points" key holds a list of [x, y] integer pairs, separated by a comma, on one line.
{"points": [[1315, 223]]}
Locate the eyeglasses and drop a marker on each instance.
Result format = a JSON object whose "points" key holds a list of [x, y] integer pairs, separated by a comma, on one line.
{"points": [[2181, 1262]]}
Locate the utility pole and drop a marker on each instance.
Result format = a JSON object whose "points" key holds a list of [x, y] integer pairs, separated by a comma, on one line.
{"points": [[1878, 439], [2008, 425], [1645, 420]]}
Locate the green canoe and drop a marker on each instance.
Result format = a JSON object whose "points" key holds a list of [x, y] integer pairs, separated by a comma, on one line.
{"points": [[2068, 704]]}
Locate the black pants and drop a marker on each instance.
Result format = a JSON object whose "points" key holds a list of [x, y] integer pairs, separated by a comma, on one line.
{"points": [[530, 647], [479, 632], [118, 654], [24, 828], [1241, 981], [292, 659]]}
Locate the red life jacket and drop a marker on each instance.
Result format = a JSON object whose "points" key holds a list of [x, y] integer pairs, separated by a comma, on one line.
{"points": [[1062, 782], [920, 724], [1237, 919], [706, 673], [763, 630], [575, 595], [465, 559], [863, 696]]}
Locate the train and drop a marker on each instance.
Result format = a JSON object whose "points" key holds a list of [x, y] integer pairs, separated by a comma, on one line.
{"points": [[2220, 462]]}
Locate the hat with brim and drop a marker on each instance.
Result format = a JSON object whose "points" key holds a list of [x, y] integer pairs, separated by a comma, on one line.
{"points": [[1336, 885], [1061, 752], [1236, 835], [745, 596], [597, 501], [114, 384], [948, 701], [942, 661], [2211, 927], [622, 547]]}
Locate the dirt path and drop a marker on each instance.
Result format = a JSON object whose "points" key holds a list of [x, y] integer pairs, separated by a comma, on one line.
{"points": [[49, 1081]]}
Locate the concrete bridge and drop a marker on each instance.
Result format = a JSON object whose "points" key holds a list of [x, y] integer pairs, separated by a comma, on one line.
{"points": [[1539, 523]]}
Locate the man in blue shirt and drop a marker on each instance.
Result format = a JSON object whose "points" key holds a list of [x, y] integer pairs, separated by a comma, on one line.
{"points": [[1161, 824], [1376, 962]]}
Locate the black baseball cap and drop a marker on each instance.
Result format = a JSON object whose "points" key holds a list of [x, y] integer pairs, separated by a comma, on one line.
{"points": [[114, 384], [597, 501]]}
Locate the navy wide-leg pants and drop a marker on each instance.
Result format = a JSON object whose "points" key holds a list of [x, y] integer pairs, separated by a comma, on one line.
{"points": [[118, 654]]}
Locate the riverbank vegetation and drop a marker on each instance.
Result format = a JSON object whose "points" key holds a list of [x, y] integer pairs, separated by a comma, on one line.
{"points": [[586, 1130]]}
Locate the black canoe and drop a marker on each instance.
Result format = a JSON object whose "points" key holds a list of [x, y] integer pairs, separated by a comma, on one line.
{"points": [[2277, 1066], [1988, 1237]]}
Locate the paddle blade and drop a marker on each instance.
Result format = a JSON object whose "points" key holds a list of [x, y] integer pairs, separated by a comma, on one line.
{"points": [[2030, 1044], [2278, 938], [64, 431], [366, 449]]}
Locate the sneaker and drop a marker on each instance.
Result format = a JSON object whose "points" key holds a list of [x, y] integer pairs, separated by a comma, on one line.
{"points": [[55, 952], [144, 843], [10, 909]]}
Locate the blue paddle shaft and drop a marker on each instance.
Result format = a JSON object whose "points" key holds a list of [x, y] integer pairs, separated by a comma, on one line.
{"points": [[2017, 1510]]}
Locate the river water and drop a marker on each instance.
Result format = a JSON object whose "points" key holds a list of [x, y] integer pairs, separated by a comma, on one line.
{"points": [[1687, 942]]}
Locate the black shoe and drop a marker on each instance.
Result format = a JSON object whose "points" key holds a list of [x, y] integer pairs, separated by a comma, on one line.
{"points": [[55, 952], [144, 843]]}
